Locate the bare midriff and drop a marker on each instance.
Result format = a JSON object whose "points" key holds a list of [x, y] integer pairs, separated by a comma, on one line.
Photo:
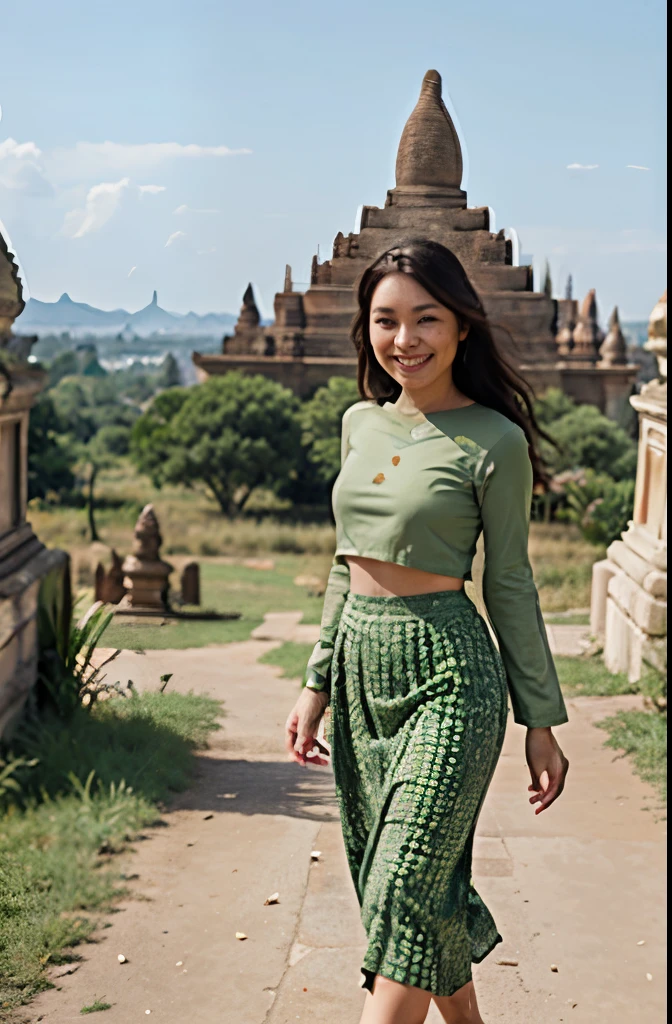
{"points": [[373, 578]]}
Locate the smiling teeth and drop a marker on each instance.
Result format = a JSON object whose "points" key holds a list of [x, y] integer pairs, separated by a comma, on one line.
{"points": [[412, 362]]}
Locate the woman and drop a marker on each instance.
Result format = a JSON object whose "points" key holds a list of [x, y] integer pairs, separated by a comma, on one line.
{"points": [[441, 449]]}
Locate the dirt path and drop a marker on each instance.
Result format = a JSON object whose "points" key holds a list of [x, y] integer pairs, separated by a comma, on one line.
{"points": [[578, 887]]}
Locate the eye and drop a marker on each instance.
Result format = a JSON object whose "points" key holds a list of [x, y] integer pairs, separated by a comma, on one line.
{"points": [[384, 321], [427, 317]]}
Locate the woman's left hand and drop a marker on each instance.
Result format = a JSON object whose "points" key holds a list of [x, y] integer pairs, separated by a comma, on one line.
{"points": [[548, 767]]}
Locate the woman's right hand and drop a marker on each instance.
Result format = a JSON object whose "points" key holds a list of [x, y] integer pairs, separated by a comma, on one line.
{"points": [[302, 726]]}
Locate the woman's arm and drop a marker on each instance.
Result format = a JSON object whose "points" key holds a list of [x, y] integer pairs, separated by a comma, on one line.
{"points": [[317, 675], [509, 591]]}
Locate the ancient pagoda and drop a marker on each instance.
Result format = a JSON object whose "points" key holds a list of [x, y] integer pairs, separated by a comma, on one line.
{"points": [[308, 342]]}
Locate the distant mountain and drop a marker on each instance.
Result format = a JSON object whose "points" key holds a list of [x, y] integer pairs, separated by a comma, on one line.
{"points": [[79, 318]]}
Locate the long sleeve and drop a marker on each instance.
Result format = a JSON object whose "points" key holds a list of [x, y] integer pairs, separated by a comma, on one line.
{"points": [[509, 592], [338, 585]]}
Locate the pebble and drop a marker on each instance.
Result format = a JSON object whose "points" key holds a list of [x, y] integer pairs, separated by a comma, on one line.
{"points": [[554, 968], [274, 898], [122, 959], [241, 935], [315, 854], [649, 977], [507, 963], [179, 963], [641, 942]]}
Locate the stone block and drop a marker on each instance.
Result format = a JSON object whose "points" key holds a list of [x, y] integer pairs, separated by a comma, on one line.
{"points": [[625, 644], [636, 567], [646, 611], [28, 600], [9, 659], [28, 640], [602, 573], [655, 583], [616, 638], [648, 547], [9, 618]]}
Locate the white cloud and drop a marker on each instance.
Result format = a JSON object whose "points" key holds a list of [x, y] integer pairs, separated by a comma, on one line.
{"points": [[152, 190], [101, 202], [190, 209], [582, 167], [21, 168], [92, 158], [131, 271], [176, 235], [638, 167]]}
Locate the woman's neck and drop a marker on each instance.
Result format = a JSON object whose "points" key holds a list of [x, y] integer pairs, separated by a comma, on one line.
{"points": [[432, 399]]}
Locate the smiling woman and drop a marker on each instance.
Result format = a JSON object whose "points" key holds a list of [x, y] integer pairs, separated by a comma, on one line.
{"points": [[441, 449]]}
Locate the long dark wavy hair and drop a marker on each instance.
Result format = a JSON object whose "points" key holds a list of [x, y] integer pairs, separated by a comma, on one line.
{"points": [[479, 369]]}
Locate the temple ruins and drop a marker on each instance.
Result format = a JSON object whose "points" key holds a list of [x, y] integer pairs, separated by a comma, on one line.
{"points": [[29, 572], [629, 591], [553, 343]]}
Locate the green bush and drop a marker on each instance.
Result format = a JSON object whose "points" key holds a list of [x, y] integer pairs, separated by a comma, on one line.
{"points": [[600, 506]]}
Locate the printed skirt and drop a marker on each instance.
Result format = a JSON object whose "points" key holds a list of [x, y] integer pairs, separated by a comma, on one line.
{"points": [[418, 714]]}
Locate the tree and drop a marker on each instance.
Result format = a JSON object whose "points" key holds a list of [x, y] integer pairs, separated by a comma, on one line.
{"points": [[50, 454], [553, 404], [234, 433], [94, 456], [588, 439], [65, 364], [601, 507], [151, 434], [169, 375], [321, 425]]}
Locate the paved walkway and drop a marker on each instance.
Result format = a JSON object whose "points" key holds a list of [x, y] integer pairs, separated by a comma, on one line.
{"points": [[580, 886]]}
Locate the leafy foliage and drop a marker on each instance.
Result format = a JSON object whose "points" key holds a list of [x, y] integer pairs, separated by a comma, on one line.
{"points": [[588, 439], [321, 425], [600, 506], [233, 433]]}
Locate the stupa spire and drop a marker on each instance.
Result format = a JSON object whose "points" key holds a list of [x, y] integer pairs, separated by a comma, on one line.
{"points": [[587, 335], [288, 279], [614, 349], [249, 313], [429, 150]]}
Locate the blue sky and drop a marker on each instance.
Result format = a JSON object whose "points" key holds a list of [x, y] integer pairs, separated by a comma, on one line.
{"points": [[292, 113]]}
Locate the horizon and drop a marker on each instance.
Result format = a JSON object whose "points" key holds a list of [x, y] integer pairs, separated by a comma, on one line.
{"points": [[193, 175]]}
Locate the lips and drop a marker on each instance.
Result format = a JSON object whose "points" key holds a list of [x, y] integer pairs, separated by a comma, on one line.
{"points": [[412, 364]]}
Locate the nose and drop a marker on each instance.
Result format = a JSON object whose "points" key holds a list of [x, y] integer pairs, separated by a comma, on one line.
{"points": [[404, 339]]}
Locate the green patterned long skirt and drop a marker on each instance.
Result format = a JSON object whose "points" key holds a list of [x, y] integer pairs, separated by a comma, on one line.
{"points": [[418, 714]]}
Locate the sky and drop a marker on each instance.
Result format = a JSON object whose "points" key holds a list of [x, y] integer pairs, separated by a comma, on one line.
{"points": [[191, 146]]}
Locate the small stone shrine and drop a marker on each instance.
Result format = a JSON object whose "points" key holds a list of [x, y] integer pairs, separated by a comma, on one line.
{"points": [[308, 342], [30, 574], [145, 574], [629, 592]]}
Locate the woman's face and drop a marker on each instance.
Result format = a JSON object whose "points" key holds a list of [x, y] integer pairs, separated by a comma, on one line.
{"points": [[413, 337]]}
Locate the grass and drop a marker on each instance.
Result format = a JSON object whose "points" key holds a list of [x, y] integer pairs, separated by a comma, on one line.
{"points": [[589, 677], [563, 619], [642, 736], [96, 1007], [290, 657], [101, 778], [563, 566], [253, 592]]}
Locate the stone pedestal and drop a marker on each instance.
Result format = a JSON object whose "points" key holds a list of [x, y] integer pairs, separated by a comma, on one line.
{"points": [[629, 593]]}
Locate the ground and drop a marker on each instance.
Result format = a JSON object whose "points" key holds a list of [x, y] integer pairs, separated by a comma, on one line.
{"points": [[579, 886]]}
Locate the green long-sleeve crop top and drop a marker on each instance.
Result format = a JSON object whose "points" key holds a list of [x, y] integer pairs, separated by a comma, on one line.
{"points": [[417, 490]]}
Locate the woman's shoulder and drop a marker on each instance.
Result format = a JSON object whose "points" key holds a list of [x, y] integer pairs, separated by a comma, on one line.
{"points": [[367, 403]]}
